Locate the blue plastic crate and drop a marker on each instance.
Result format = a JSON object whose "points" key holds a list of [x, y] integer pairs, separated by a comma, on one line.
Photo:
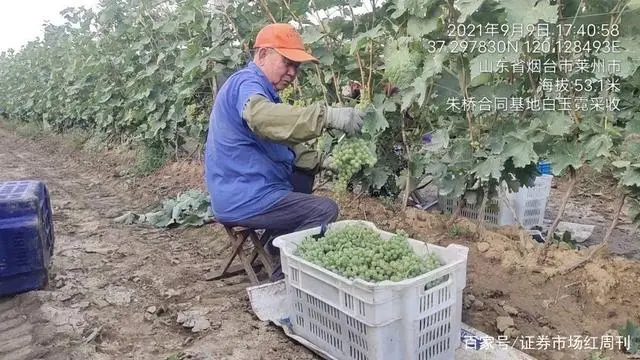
{"points": [[544, 168], [26, 236]]}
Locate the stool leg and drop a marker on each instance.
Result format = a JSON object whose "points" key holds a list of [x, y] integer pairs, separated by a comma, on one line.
{"points": [[248, 267], [237, 240], [263, 240], [262, 254]]}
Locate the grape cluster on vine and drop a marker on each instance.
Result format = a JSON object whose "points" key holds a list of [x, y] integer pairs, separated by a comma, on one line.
{"points": [[349, 156], [358, 251]]}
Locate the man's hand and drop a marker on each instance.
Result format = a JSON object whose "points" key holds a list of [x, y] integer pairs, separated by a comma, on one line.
{"points": [[347, 119]]}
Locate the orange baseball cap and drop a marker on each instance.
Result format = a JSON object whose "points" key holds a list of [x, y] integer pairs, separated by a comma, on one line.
{"points": [[284, 39]]}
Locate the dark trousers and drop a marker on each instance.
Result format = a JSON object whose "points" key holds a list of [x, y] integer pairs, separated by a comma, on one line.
{"points": [[299, 210]]}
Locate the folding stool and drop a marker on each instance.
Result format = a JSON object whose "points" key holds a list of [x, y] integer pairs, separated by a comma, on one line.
{"points": [[239, 236]]}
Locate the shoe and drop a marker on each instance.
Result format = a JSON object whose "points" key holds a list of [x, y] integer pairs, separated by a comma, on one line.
{"points": [[277, 274], [273, 251]]}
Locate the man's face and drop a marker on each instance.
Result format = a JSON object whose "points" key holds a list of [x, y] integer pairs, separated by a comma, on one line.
{"points": [[280, 70]]}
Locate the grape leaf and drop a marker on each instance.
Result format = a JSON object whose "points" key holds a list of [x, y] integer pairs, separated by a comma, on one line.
{"points": [[374, 120], [159, 219], [565, 155], [490, 168], [311, 34], [481, 64], [496, 144], [410, 95], [378, 177], [556, 123], [631, 146], [526, 12], [451, 185], [622, 62], [413, 7], [326, 57], [439, 140], [417, 166], [419, 27], [433, 65], [599, 163], [446, 86], [535, 133], [467, 8], [401, 62], [632, 5], [364, 37], [631, 177], [633, 125], [435, 168], [598, 146], [521, 152]]}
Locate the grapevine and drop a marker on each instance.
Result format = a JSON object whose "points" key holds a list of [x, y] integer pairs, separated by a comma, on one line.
{"points": [[350, 155], [358, 251]]}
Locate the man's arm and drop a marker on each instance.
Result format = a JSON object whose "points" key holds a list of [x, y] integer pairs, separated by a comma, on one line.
{"points": [[307, 159], [282, 122]]}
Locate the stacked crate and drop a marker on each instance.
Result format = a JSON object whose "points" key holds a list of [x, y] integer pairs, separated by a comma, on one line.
{"points": [[26, 236]]}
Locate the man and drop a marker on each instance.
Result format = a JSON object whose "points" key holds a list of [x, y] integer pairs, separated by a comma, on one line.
{"points": [[258, 172]]}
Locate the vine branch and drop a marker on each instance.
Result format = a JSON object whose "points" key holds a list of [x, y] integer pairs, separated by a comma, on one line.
{"points": [[573, 179], [604, 242]]}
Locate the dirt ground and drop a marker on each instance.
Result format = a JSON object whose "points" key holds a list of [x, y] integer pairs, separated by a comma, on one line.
{"points": [[117, 290]]}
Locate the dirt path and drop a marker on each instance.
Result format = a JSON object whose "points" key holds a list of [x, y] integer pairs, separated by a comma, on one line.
{"points": [[107, 276]]}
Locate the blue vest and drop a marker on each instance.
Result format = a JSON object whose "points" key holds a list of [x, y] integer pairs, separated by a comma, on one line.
{"points": [[245, 174]]}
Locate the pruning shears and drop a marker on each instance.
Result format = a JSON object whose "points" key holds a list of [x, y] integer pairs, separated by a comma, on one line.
{"points": [[323, 229]]}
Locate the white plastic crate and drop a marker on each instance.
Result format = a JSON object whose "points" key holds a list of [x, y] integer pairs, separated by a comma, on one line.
{"points": [[359, 320], [528, 204]]}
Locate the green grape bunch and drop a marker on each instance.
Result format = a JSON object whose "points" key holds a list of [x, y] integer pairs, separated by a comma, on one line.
{"points": [[358, 251], [286, 94], [349, 156], [192, 112]]}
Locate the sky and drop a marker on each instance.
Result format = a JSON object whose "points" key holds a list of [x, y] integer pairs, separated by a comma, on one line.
{"points": [[21, 20]]}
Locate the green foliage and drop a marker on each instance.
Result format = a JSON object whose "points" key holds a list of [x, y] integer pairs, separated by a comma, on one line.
{"points": [[138, 71], [192, 208], [151, 157], [632, 335], [402, 62], [597, 355], [129, 70], [457, 230]]}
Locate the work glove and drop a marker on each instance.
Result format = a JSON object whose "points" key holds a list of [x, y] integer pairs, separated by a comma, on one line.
{"points": [[347, 119]]}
